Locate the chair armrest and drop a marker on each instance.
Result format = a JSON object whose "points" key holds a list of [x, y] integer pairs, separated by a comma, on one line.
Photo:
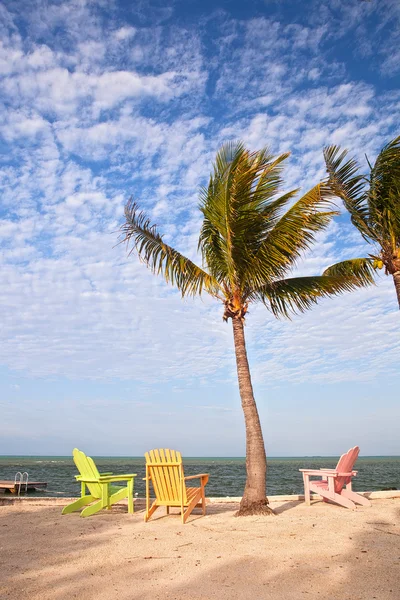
{"points": [[318, 472], [105, 478], [106, 473], [79, 477], [338, 473], [327, 472], [111, 478], [196, 476]]}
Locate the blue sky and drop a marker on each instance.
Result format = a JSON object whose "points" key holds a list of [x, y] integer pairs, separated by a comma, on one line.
{"points": [[102, 100]]}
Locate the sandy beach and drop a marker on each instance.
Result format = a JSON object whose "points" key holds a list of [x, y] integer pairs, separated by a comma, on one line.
{"points": [[323, 551]]}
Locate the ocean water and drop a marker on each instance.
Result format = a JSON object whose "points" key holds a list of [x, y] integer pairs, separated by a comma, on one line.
{"points": [[227, 475]]}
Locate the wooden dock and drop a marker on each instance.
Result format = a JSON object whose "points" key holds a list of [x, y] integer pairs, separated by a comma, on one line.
{"points": [[13, 486]]}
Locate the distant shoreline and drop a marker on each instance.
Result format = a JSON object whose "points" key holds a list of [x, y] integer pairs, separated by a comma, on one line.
{"points": [[139, 457], [193, 458]]}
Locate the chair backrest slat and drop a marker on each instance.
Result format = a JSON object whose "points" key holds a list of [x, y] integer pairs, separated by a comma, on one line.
{"points": [[167, 473], [177, 473], [345, 465], [159, 474], [165, 469], [87, 469]]}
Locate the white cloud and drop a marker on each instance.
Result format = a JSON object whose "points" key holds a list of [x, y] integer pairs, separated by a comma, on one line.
{"points": [[57, 90], [125, 33]]}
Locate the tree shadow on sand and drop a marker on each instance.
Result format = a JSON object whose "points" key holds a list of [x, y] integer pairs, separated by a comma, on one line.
{"points": [[66, 557]]}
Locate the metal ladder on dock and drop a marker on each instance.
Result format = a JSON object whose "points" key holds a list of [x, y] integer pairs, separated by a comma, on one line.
{"points": [[20, 480]]}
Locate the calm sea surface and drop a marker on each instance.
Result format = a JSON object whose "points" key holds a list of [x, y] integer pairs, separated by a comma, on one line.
{"points": [[227, 475]]}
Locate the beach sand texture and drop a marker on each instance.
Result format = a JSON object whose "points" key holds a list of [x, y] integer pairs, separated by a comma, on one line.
{"points": [[323, 551]]}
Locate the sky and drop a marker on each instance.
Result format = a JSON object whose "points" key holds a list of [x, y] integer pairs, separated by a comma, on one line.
{"points": [[102, 100]]}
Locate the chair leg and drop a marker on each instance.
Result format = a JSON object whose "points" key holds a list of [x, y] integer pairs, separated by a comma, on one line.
{"points": [[108, 496], [150, 511], [343, 501], [306, 480], [357, 498], [131, 506], [167, 510], [329, 496], [189, 508], [77, 504], [105, 497], [203, 499], [92, 509]]}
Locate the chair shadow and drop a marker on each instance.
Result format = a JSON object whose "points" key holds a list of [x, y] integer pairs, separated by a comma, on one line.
{"points": [[287, 506], [211, 509], [218, 508]]}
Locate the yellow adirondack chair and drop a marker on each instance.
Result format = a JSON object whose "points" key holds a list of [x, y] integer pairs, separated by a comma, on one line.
{"points": [[99, 486], [164, 469]]}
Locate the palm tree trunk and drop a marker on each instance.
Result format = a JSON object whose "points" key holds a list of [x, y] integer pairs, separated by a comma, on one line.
{"points": [[254, 499], [396, 279]]}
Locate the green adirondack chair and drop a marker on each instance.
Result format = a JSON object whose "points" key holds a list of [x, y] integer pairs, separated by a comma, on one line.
{"points": [[99, 486]]}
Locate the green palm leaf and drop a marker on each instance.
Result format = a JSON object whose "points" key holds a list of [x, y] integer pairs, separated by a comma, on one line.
{"points": [[161, 258], [298, 294], [384, 193], [350, 186], [362, 269], [292, 234], [239, 208], [386, 170]]}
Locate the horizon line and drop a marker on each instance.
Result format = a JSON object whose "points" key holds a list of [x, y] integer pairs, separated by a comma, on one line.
{"points": [[189, 457]]}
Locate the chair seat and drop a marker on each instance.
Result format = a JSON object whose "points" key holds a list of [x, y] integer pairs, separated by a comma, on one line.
{"points": [[322, 484], [191, 493]]}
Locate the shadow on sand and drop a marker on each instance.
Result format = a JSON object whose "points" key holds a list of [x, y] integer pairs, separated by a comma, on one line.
{"points": [[103, 557]]}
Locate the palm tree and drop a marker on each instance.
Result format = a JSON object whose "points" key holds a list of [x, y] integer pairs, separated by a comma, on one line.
{"points": [[249, 240], [373, 202]]}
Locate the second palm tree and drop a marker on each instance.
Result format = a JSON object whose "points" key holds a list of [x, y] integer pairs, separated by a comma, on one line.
{"points": [[373, 202]]}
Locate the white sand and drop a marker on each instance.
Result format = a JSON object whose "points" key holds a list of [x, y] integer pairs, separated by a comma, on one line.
{"points": [[323, 551]]}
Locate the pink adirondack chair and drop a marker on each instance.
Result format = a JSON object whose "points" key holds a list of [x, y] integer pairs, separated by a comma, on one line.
{"points": [[335, 484]]}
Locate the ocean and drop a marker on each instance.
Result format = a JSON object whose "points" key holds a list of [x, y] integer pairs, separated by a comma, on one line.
{"points": [[227, 475]]}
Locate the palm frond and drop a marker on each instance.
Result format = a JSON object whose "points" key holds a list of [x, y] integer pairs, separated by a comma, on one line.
{"points": [[387, 164], [349, 185], [292, 234], [362, 269], [218, 207], [162, 258], [239, 208], [384, 193], [298, 294]]}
